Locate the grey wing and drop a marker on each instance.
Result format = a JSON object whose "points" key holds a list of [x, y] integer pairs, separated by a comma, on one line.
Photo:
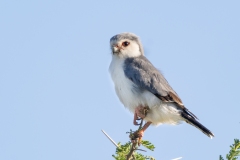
{"points": [[142, 73]]}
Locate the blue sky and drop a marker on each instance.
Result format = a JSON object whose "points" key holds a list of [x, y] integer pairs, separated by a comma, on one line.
{"points": [[56, 93]]}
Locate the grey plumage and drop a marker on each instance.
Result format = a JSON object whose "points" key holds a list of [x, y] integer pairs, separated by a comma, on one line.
{"points": [[129, 36], [142, 73], [145, 75], [138, 82]]}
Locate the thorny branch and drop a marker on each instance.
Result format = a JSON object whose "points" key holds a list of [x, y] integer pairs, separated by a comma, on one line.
{"points": [[127, 151], [135, 143], [135, 138]]}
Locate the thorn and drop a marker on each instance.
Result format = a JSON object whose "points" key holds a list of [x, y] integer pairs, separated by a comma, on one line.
{"points": [[177, 158], [110, 138], [141, 150]]}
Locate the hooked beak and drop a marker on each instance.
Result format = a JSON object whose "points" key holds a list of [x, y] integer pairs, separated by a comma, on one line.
{"points": [[116, 49]]}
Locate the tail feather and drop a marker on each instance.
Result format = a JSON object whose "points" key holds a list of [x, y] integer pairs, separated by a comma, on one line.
{"points": [[191, 120]]}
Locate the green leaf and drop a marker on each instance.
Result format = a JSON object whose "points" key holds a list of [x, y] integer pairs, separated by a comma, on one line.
{"points": [[221, 158], [148, 145], [234, 151], [123, 150]]}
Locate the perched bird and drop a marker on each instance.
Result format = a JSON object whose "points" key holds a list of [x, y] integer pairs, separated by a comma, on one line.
{"points": [[139, 85]]}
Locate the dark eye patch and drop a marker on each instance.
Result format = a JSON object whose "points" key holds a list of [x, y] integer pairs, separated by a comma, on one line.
{"points": [[126, 43]]}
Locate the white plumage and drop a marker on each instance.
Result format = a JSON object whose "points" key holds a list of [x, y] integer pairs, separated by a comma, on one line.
{"points": [[139, 84], [160, 112]]}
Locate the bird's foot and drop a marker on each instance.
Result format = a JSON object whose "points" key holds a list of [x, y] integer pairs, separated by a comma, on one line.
{"points": [[140, 113], [135, 120], [136, 137]]}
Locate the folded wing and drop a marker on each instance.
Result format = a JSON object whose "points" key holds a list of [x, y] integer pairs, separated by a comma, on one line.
{"points": [[143, 74]]}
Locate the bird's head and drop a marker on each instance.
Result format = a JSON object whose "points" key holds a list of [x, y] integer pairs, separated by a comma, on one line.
{"points": [[126, 45]]}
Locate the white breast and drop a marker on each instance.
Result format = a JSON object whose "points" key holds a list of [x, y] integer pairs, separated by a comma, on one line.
{"points": [[124, 86], [159, 112]]}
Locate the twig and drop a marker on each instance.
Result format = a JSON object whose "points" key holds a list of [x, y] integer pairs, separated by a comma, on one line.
{"points": [[130, 154], [134, 143], [141, 150], [177, 158], [110, 138]]}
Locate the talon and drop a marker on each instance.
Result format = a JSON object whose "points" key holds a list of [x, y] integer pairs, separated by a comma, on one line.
{"points": [[139, 134], [135, 123], [135, 119], [137, 137]]}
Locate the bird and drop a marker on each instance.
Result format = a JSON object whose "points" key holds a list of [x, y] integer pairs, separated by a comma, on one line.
{"points": [[140, 85]]}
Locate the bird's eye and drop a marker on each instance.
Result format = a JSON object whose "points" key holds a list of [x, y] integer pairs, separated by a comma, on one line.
{"points": [[126, 43]]}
